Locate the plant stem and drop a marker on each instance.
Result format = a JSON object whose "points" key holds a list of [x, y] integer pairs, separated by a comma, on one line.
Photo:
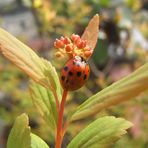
{"points": [[56, 99], [59, 136], [65, 127]]}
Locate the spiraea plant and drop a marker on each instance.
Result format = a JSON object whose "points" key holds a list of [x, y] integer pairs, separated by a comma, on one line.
{"points": [[49, 92]]}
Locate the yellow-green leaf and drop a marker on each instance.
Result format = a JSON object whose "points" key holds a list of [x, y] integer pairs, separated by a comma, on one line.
{"points": [[101, 133], [22, 56], [37, 142], [43, 100], [40, 70], [53, 79], [123, 90], [19, 136], [91, 32]]}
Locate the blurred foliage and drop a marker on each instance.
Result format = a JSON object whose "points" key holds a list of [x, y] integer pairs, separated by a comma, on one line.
{"points": [[122, 47]]}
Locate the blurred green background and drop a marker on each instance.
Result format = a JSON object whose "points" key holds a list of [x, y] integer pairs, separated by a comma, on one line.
{"points": [[122, 47]]}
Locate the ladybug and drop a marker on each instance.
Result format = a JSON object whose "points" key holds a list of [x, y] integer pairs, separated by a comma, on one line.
{"points": [[75, 73]]}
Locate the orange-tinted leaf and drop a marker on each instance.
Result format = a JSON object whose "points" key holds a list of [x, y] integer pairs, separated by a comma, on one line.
{"points": [[39, 69], [22, 56], [91, 32]]}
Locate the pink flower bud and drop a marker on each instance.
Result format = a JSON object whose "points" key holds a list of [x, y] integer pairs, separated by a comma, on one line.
{"points": [[81, 44], [66, 40], [88, 53], [62, 38], [75, 37], [58, 44], [68, 48]]}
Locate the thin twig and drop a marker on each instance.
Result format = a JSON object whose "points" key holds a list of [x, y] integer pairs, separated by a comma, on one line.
{"points": [[59, 136]]}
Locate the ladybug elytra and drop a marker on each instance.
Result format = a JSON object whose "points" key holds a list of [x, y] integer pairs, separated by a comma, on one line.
{"points": [[75, 73]]}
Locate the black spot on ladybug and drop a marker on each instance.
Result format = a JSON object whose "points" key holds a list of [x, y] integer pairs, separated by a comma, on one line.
{"points": [[65, 68], [67, 81], [70, 73], [85, 76], [63, 78], [78, 73]]}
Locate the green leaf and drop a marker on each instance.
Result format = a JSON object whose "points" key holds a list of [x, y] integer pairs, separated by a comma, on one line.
{"points": [[100, 56], [37, 142], [40, 70], [101, 133], [43, 100], [123, 90], [19, 136], [104, 3], [52, 78], [22, 56]]}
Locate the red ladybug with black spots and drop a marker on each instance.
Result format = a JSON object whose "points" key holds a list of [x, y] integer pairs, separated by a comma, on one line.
{"points": [[75, 73]]}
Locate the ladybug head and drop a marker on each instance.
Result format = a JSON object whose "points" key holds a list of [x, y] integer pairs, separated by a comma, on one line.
{"points": [[79, 58]]}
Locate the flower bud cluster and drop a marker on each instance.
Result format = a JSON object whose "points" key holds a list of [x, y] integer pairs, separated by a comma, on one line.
{"points": [[73, 46]]}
